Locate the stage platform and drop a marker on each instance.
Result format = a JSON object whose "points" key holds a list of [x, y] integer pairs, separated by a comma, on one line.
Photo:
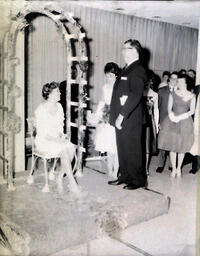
{"points": [[51, 222]]}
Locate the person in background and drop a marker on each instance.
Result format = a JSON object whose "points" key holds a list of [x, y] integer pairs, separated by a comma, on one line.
{"points": [[191, 73], [195, 148], [126, 115], [50, 139], [182, 72], [177, 132], [163, 97], [105, 138], [165, 79], [191, 80], [150, 128]]}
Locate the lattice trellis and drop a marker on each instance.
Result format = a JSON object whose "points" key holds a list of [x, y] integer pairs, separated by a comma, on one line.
{"points": [[74, 38]]}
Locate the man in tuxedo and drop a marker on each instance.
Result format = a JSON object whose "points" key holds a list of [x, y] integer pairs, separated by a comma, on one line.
{"points": [[126, 114]]}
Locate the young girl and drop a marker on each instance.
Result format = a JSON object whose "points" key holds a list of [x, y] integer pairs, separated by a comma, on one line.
{"points": [[105, 140]]}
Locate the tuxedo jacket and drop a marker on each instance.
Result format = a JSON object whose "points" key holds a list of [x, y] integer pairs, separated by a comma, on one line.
{"points": [[127, 95]]}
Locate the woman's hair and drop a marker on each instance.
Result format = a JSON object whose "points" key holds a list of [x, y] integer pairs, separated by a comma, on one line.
{"points": [[48, 88], [182, 71], [112, 67], [189, 81], [174, 73], [193, 71]]}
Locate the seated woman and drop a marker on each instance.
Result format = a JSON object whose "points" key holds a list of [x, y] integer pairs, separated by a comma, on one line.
{"points": [[177, 131], [50, 139], [105, 140]]}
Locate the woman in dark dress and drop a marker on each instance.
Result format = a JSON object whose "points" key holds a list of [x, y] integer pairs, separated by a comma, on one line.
{"points": [[177, 132]]}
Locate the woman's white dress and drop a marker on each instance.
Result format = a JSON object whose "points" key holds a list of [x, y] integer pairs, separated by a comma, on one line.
{"points": [[49, 127], [105, 139]]}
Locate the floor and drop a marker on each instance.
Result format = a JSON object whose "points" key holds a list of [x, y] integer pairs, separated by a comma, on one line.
{"points": [[172, 234]]}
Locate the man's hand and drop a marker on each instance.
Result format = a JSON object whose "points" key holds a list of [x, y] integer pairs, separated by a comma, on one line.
{"points": [[118, 122]]}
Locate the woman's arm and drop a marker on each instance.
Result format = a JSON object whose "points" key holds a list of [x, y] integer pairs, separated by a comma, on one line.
{"points": [[183, 116], [190, 112], [156, 112], [169, 108]]}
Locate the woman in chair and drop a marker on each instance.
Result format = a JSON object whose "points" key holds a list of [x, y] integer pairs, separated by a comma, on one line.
{"points": [[50, 139]]}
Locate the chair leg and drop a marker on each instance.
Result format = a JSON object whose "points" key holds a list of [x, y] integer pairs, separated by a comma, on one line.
{"points": [[52, 171], [30, 179], [46, 186]]}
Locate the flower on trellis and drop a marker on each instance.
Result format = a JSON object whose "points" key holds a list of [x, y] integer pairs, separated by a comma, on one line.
{"points": [[15, 91], [14, 122], [83, 65]]}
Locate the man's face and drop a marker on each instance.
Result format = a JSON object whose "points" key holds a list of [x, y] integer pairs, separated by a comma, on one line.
{"points": [[165, 78], [129, 53], [173, 80]]}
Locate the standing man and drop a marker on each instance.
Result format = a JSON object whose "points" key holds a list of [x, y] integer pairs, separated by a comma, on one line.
{"points": [[126, 114]]}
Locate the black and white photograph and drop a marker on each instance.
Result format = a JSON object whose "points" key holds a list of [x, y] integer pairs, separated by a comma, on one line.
{"points": [[99, 128]]}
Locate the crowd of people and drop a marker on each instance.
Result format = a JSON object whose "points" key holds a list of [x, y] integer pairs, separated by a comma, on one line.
{"points": [[168, 120], [135, 119]]}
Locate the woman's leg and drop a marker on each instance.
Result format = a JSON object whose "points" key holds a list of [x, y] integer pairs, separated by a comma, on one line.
{"points": [[147, 163], [115, 165], [110, 164], [66, 167], [180, 161], [173, 162]]}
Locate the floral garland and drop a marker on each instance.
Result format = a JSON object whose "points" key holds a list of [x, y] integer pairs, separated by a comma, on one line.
{"points": [[14, 123], [111, 221]]}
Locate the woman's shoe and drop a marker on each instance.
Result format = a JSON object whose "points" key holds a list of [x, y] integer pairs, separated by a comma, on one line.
{"points": [[79, 174], [174, 173], [30, 179], [74, 188], [178, 173], [46, 189]]}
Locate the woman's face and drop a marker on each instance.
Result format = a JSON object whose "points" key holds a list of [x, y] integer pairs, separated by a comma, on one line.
{"points": [[110, 78], [181, 84], [54, 95]]}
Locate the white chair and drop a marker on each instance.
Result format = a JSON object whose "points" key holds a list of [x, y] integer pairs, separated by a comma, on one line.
{"points": [[36, 154]]}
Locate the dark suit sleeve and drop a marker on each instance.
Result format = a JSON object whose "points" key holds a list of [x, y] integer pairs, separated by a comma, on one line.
{"points": [[159, 99], [136, 87]]}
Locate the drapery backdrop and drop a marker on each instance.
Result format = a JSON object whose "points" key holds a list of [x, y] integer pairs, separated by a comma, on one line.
{"points": [[46, 59], [172, 47]]}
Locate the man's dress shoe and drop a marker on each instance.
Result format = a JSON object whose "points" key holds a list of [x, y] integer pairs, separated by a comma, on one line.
{"points": [[115, 182], [160, 169], [132, 187], [193, 171]]}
